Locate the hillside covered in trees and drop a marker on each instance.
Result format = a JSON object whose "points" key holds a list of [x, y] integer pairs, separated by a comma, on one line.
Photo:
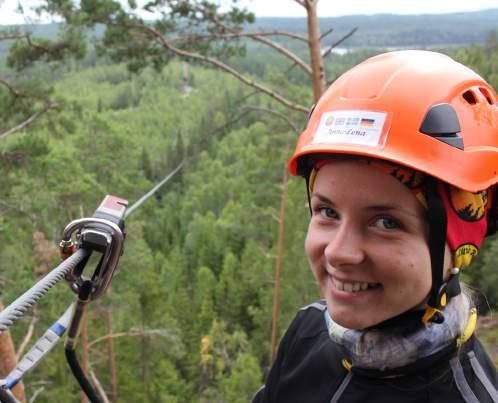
{"points": [[188, 316]]}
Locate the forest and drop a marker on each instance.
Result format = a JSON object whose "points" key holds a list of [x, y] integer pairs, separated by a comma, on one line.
{"points": [[188, 317]]}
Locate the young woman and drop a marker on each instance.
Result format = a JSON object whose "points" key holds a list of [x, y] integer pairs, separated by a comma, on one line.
{"points": [[400, 157]]}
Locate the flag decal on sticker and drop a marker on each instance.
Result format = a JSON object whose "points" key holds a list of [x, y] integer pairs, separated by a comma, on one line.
{"points": [[329, 121]]}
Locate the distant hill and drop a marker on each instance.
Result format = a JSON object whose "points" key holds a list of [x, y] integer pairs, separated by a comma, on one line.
{"points": [[380, 30]]}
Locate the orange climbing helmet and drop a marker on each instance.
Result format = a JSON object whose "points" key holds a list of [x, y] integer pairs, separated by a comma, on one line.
{"points": [[416, 108]]}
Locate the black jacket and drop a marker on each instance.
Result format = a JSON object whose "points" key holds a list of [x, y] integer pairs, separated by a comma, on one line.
{"points": [[308, 369]]}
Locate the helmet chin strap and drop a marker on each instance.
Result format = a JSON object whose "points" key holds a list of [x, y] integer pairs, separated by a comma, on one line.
{"points": [[441, 290]]}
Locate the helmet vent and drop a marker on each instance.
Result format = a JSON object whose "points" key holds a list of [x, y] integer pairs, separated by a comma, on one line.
{"points": [[487, 95], [470, 97], [441, 122]]}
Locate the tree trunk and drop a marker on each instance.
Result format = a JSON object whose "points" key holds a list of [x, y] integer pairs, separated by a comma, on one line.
{"points": [[112, 359], [278, 264], [8, 361], [317, 69]]}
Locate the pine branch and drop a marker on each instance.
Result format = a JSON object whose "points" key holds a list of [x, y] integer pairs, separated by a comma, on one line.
{"points": [[28, 121], [38, 46], [14, 91]]}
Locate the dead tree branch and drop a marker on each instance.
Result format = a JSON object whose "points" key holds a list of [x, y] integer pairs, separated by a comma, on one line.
{"points": [[235, 73], [234, 35], [284, 51], [276, 113], [98, 387], [27, 337], [253, 35], [337, 43], [10, 37], [36, 393], [260, 38], [132, 333], [326, 33]]}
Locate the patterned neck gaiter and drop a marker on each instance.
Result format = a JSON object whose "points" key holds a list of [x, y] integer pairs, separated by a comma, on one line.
{"points": [[385, 349]]}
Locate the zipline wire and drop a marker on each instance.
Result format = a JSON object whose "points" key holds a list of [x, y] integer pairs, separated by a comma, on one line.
{"points": [[140, 201]]}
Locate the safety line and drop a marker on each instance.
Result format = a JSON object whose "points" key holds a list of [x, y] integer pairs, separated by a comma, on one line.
{"points": [[41, 348]]}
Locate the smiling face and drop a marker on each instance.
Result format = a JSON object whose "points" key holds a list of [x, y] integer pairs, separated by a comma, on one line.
{"points": [[367, 244]]}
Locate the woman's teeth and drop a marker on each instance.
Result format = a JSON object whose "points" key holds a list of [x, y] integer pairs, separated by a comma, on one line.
{"points": [[353, 287]]}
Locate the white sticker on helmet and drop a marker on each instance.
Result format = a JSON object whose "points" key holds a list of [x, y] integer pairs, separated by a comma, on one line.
{"points": [[351, 127]]}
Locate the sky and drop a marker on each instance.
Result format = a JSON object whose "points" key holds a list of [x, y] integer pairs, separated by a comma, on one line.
{"points": [[289, 8]]}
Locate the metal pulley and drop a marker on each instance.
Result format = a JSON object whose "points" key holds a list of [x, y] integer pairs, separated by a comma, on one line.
{"points": [[102, 233]]}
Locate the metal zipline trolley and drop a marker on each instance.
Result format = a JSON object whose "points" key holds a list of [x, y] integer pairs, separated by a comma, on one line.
{"points": [[102, 233]]}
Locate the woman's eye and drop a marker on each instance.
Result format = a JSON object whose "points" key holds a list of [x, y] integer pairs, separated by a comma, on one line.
{"points": [[387, 223], [327, 212]]}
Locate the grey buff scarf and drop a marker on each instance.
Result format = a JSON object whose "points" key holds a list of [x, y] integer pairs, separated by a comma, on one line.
{"points": [[390, 348]]}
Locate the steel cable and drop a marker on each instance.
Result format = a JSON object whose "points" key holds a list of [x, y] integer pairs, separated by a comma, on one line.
{"points": [[17, 308], [140, 201]]}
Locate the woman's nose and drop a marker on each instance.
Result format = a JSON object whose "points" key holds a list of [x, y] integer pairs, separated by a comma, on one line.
{"points": [[345, 246]]}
